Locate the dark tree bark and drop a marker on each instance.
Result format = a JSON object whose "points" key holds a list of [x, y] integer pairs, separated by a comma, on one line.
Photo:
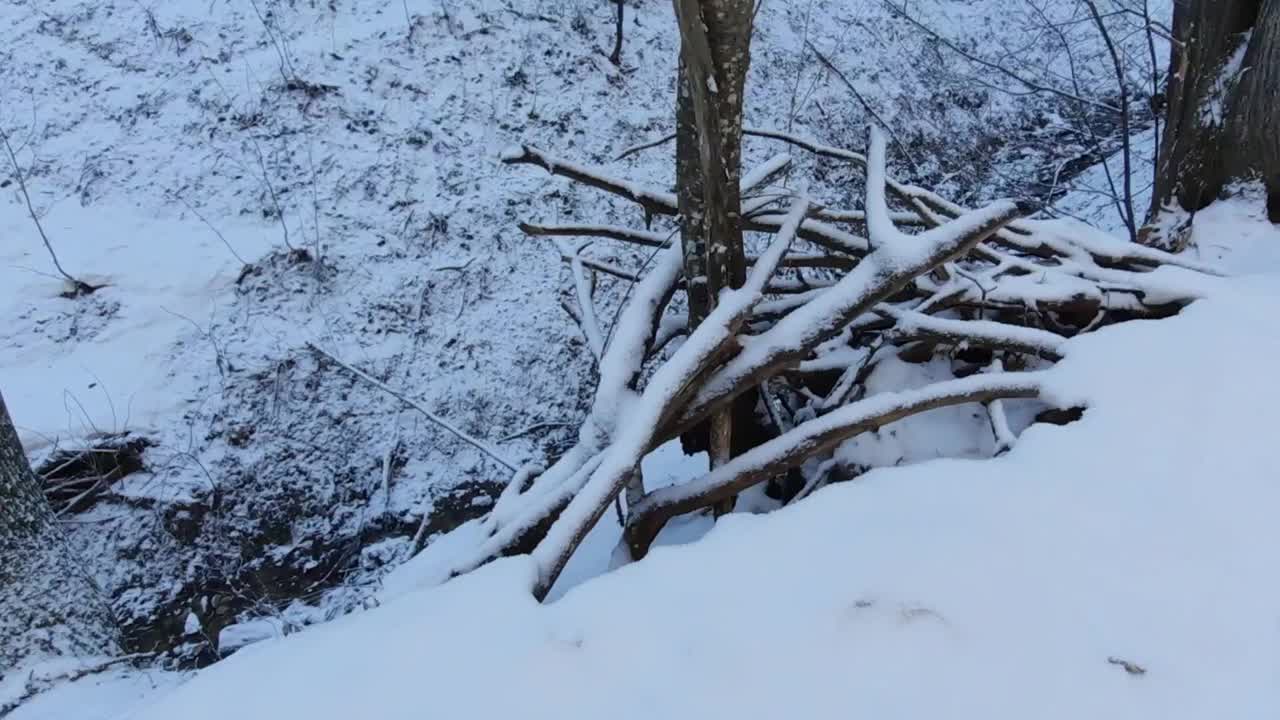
{"points": [[48, 605], [1222, 126], [715, 55], [616, 56]]}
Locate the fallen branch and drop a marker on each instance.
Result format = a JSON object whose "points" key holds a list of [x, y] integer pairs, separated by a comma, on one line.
{"points": [[521, 514], [614, 232], [410, 402], [812, 438], [896, 262], [666, 392], [654, 201]]}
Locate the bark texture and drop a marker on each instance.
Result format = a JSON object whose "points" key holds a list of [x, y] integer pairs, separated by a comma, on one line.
{"points": [[714, 58], [48, 605], [1223, 123]]}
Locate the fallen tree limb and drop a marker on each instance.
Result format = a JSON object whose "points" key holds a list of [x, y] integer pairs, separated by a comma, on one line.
{"points": [[896, 262], [666, 392], [812, 438], [522, 514], [439, 421], [614, 232], [1038, 343], [654, 201]]}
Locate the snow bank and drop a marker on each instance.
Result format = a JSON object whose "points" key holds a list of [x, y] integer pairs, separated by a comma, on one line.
{"points": [[1018, 587]]}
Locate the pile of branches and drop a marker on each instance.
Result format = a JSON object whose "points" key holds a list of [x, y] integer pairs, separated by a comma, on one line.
{"points": [[74, 479], [821, 299]]}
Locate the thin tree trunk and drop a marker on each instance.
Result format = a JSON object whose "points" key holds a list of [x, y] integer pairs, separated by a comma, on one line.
{"points": [[48, 605], [616, 57], [1122, 87], [715, 57], [1224, 106]]}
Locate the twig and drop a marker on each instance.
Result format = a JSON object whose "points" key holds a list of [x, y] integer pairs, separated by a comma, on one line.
{"points": [[1127, 155], [271, 190], [584, 282], [315, 206], [826, 62], [456, 266], [441, 422], [209, 225], [533, 428], [81, 287], [645, 146], [1029, 84], [388, 459]]}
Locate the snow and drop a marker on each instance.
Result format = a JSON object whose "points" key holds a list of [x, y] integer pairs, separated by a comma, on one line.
{"points": [[114, 366], [101, 696], [1236, 235], [1006, 588], [428, 285], [774, 453]]}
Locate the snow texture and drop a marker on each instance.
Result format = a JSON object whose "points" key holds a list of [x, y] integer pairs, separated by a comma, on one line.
{"points": [[175, 150], [1118, 567]]}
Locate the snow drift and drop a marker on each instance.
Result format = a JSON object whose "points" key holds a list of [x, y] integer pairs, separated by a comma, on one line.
{"points": [[1122, 566]]}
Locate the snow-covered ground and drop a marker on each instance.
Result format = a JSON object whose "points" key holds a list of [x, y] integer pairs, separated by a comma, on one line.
{"points": [[1116, 567], [175, 151]]}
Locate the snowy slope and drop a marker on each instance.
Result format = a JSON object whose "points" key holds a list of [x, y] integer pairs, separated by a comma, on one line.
{"points": [[175, 150], [164, 142], [1118, 567]]}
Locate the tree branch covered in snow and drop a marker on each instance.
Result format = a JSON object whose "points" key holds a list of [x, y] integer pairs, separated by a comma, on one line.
{"points": [[809, 439], [985, 281]]}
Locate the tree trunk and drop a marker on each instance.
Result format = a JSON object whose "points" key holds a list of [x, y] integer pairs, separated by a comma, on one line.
{"points": [[1224, 107], [714, 58], [48, 605]]}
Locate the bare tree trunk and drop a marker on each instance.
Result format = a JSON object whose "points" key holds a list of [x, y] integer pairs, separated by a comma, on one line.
{"points": [[714, 59], [1224, 105], [48, 606], [616, 56]]}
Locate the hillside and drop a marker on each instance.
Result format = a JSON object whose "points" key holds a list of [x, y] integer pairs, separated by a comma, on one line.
{"points": [[277, 196]]}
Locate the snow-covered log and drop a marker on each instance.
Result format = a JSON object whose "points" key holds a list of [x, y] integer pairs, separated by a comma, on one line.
{"points": [[808, 440]]}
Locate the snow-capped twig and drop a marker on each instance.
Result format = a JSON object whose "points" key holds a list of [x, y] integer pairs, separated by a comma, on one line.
{"points": [[1028, 236], [439, 421], [1000, 430], [615, 232], [520, 511], [986, 333], [655, 201], [860, 216], [586, 305], [761, 173], [666, 392], [1000, 427], [815, 231]]}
